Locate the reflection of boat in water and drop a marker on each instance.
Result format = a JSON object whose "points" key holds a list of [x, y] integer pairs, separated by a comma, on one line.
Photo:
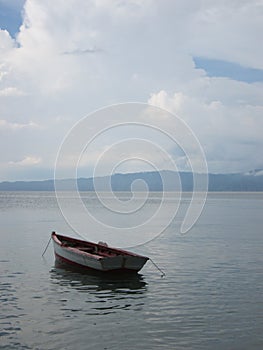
{"points": [[68, 275], [95, 256], [96, 293]]}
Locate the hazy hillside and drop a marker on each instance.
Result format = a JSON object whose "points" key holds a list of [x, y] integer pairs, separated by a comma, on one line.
{"points": [[251, 181]]}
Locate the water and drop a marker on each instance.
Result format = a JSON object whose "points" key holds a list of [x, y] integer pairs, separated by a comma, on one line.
{"points": [[210, 298]]}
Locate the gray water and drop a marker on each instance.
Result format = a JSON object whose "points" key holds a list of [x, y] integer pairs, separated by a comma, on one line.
{"points": [[210, 298]]}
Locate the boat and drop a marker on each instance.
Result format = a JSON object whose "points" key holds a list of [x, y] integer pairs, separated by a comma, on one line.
{"points": [[95, 256]]}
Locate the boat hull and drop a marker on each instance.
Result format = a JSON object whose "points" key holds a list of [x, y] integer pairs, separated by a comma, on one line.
{"points": [[117, 260]]}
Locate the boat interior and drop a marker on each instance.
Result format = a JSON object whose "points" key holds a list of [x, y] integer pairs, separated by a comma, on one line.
{"points": [[89, 248]]}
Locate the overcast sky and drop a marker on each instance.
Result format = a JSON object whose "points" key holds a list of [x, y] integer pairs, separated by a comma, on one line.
{"points": [[61, 60]]}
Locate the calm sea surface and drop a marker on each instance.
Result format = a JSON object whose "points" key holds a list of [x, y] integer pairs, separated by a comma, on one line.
{"points": [[210, 298]]}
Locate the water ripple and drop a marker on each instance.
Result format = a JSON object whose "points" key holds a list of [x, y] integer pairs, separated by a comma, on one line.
{"points": [[114, 292]]}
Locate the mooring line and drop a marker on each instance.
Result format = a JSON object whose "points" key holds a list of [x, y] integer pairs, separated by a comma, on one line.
{"points": [[162, 272], [46, 246]]}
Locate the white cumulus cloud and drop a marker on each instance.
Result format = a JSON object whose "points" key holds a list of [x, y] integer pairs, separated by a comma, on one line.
{"points": [[27, 161], [71, 57]]}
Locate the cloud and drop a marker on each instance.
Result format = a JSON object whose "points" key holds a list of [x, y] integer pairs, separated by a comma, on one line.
{"points": [[11, 91], [6, 42], [229, 131], [70, 58], [5, 125], [27, 161], [228, 31], [82, 51]]}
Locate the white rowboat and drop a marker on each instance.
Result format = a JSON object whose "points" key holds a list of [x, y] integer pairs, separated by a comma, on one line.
{"points": [[96, 256]]}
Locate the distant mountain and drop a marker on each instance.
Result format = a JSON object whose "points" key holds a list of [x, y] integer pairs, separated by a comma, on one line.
{"points": [[256, 172], [155, 181]]}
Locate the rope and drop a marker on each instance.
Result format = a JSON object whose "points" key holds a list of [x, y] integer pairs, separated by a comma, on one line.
{"points": [[158, 268], [46, 246]]}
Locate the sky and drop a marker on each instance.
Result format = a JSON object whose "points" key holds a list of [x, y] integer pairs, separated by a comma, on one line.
{"points": [[201, 60]]}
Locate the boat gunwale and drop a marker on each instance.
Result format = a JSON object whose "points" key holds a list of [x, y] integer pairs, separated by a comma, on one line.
{"points": [[55, 236], [75, 249]]}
